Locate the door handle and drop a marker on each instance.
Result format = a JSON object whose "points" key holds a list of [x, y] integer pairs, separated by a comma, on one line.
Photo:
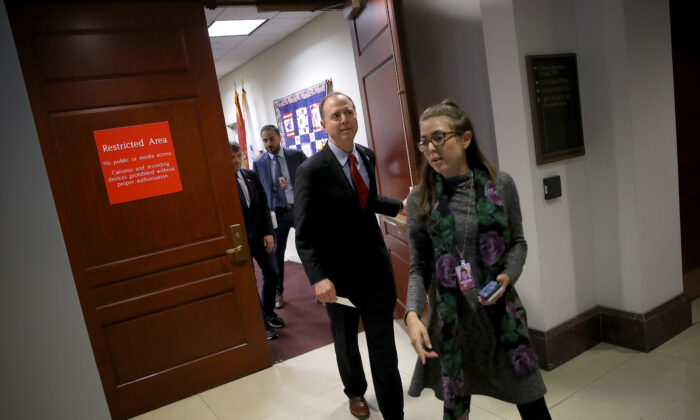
{"points": [[238, 250]]}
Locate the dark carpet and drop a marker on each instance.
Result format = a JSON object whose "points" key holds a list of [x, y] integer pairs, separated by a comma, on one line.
{"points": [[307, 324]]}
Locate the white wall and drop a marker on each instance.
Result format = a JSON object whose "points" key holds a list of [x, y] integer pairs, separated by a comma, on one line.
{"points": [[48, 370], [563, 224], [320, 50], [447, 58], [515, 149], [630, 79], [613, 238]]}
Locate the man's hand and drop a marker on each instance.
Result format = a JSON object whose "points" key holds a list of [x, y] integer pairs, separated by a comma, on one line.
{"points": [[405, 200], [325, 291], [269, 242]]}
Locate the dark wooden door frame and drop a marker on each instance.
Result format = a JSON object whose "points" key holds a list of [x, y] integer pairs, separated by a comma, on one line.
{"points": [[388, 102], [686, 56], [168, 312]]}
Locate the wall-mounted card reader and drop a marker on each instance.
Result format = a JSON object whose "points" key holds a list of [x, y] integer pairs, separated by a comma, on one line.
{"points": [[552, 187]]}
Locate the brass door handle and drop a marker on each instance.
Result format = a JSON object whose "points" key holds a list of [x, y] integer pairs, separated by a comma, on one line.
{"points": [[234, 250], [237, 237]]}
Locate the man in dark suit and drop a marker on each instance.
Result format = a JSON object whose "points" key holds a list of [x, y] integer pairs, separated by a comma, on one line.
{"points": [[276, 169], [343, 252], [258, 224]]}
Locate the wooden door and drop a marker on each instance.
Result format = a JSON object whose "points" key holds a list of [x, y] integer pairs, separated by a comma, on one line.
{"points": [[686, 67], [169, 313], [389, 112]]}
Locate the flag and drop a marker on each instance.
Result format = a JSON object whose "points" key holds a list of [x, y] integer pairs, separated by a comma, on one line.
{"points": [[254, 141], [240, 127]]}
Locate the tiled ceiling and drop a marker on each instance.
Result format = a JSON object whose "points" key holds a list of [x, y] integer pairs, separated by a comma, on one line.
{"points": [[230, 52]]}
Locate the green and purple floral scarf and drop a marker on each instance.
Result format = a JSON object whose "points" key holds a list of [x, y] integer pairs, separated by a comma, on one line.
{"points": [[494, 238]]}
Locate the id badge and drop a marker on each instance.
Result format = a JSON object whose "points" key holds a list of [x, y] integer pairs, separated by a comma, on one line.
{"points": [[464, 276]]}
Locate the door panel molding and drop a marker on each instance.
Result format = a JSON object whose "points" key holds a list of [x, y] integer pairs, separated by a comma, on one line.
{"points": [[168, 312], [389, 112]]}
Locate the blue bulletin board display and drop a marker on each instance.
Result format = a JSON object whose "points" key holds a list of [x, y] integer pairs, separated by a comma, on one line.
{"points": [[299, 119]]}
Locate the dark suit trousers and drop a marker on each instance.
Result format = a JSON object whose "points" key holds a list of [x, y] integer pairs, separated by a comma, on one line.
{"points": [[267, 265], [285, 221], [377, 319]]}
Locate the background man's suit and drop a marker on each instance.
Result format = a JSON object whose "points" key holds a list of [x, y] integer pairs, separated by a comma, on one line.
{"points": [[285, 215], [337, 239], [258, 224]]}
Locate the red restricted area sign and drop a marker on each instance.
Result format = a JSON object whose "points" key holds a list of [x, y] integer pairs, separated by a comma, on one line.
{"points": [[138, 161]]}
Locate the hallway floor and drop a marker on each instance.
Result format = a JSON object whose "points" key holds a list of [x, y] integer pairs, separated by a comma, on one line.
{"points": [[605, 382]]}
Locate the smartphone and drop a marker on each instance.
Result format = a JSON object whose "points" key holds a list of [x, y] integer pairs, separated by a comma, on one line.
{"points": [[490, 291]]}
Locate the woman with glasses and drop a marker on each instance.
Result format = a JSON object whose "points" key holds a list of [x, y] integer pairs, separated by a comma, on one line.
{"points": [[465, 216]]}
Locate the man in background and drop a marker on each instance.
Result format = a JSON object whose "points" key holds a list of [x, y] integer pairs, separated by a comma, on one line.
{"points": [[343, 252], [258, 223], [276, 169]]}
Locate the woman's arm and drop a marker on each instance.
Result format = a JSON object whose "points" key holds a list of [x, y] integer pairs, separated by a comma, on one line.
{"points": [[420, 274], [515, 259], [420, 248]]}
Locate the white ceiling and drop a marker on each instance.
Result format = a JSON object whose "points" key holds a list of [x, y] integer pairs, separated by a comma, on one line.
{"points": [[230, 52]]}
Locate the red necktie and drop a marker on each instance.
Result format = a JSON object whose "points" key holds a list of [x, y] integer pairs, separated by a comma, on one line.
{"points": [[360, 186]]}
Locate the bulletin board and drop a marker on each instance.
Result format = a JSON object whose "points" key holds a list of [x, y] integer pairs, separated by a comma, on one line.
{"points": [[299, 119]]}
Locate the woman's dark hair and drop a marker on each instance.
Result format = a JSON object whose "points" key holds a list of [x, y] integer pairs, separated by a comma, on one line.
{"points": [[460, 123]]}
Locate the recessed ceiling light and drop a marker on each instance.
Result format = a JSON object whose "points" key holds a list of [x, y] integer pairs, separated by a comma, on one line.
{"points": [[234, 27]]}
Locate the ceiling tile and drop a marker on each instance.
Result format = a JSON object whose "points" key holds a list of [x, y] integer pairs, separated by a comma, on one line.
{"points": [[241, 52], [212, 14], [244, 12], [281, 26], [261, 41], [295, 15], [226, 42], [218, 53], [234, 51]]}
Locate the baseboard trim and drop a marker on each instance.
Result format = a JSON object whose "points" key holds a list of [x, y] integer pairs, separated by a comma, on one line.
{"points": [[566, 341], [642, 332]]}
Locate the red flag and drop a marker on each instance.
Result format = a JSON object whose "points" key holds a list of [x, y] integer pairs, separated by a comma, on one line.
{"points": [[241, 129], [254, 144]]}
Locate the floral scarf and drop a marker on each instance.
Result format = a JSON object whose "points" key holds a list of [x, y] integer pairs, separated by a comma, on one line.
{"points": [[494, 238]]}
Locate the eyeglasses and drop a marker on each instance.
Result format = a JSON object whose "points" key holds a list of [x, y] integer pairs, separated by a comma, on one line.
{"points": [[437, 138]]}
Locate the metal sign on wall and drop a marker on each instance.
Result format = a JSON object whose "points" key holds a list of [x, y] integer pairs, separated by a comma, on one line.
{"points": [[138, 161], [556, 107]]}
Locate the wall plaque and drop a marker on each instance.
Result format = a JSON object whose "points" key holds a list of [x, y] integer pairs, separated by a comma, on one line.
{"points": [[556, 107]]}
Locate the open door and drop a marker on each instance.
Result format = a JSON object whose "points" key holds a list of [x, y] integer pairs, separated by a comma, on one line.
{"points": [[168, 310], [686, 67], [390, 119]]}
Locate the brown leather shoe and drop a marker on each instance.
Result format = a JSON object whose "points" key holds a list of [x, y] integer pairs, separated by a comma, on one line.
{"points": [[359, 407]]}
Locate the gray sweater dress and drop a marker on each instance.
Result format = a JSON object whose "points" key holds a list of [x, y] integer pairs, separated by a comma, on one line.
{"points": [[486, 365]]}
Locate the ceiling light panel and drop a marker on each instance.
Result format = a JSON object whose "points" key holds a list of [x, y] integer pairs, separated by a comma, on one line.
{"points": [[234, 27]]}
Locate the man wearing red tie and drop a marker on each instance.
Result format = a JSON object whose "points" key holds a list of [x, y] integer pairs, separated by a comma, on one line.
{"points": [[343, 252]]}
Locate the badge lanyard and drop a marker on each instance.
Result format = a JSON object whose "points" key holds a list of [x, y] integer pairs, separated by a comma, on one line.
{"points": [[466, 279]]}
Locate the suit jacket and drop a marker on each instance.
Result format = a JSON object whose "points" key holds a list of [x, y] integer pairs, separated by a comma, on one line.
{"points": [[257, 216], [335, 238], [261, 165]]}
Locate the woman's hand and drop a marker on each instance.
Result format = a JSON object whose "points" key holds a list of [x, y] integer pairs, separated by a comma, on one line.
{"points": [[504, 279], [419, 335]]}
